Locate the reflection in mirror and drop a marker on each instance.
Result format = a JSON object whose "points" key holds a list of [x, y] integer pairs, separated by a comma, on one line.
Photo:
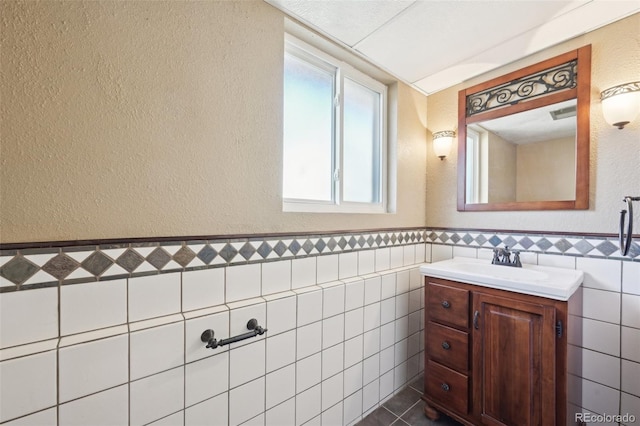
{"points": [[528, 156]]}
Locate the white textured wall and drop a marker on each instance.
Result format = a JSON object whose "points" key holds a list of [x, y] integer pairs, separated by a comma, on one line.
{"points": [[615, 154], [146, 119]]}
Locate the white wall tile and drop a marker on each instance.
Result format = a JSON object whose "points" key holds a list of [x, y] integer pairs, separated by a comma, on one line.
{"points": [[371, 395], [566, 262], [303, 272], [156, 396], [603, 274], [283, 414], [630, 404], [353, 378], [630, 343], [281, 315], [35, 310], [401, 351], [239, 408], [353, 351], [175, 419], [402, 328], [332, 331], [402, 305], [416, 281], [601, 368], [366, 262], [202, 289], [371, 342], [631, 310], [631, 277], [400, 375], [309, 307], [243, 282], [354, 295], [440, 252], [246, 363], [388, 285], [396, 257], [332, 391], [308, 340], [194, 347], [281, 350], [420, 253], [280, 385], [386, 384], [206, 378], [383, 258], [333, 300], [600, 399], [387, 334], [308, 372], [332, 361], [276, 277], [630, 377], [94, 366], [428, 252], [409, 255], [387, 310], [347, 265], [327, 268], [601, 305], [465, 252], [403, 282], [371, 316], [110, 407], [601, 336], [202, 414], [371, 369], [372, 290], [352, 407], [165, 289], [415, 299], [353, 323], [28, 384], [41, 418], [156, 349], [308, 404], [93, 305], [333, 416]]}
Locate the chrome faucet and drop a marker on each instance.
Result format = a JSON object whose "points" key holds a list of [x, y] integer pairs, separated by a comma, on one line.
{"points": [[502, 256]]}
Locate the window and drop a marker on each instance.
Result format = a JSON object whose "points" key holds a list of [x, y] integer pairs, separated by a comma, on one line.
{"points": [[334, 157]]}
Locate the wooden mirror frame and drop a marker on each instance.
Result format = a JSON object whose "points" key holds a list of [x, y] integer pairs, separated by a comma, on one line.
{"points": [[581, 92]]}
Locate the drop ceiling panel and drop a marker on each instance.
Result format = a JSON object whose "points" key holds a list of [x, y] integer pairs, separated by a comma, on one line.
{"points": [[346, 20], [434, 35]]}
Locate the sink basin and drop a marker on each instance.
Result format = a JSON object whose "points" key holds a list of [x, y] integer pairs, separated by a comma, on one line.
{"points": [[544, 281]]}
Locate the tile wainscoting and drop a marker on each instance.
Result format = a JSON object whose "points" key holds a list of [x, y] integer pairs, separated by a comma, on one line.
{"points": [[110, 333]]}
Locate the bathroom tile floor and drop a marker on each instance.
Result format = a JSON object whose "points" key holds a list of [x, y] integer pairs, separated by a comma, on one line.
{"points": [[405, 408]]}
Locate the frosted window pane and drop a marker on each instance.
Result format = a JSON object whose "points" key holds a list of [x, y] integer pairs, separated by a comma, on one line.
{"points": [[361, 148], [308, 135]]}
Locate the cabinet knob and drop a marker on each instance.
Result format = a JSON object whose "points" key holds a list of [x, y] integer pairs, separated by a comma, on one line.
{"points": [[446, 304], [445, 387], [446, 346]]}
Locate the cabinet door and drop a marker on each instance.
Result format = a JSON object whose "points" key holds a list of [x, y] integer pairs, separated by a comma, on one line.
{"points": [[513, 361]]}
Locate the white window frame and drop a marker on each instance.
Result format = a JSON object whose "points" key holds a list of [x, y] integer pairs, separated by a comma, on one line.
{"points": [[316, 57]]}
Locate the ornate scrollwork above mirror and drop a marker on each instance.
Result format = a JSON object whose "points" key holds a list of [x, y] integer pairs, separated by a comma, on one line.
{"points": [[523, 138]]}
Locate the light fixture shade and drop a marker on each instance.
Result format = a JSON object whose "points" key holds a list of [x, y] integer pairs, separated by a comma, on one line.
{"points": [[621, 104], [442, 142]]}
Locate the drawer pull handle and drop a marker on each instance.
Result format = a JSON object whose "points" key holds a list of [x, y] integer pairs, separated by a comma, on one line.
{"points": [[446, 304], [446, 346], [476, 316], [445, 387]]}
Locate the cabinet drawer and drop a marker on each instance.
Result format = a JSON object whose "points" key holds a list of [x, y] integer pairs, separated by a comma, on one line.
{"points": [[448, 304], [448, 346], [447, 386]]}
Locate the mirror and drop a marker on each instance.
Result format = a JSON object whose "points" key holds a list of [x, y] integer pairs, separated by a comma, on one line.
{"points": [[523, 139]]}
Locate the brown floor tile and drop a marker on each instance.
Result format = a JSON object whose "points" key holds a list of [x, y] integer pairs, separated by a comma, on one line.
{"points": [[402, 401]]}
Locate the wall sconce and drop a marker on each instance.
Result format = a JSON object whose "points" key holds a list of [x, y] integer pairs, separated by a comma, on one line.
{"points": [[442, 143], [621, 104]]}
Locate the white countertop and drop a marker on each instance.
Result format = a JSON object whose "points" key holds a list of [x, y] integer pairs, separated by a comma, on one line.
{"points": [[543, 281]]}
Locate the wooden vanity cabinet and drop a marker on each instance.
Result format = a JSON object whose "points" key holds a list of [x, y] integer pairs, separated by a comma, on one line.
{"points": [[494, 357]]}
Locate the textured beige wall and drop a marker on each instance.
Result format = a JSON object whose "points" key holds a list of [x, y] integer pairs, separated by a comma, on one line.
{"points": [[615, 154], [147, 119]]}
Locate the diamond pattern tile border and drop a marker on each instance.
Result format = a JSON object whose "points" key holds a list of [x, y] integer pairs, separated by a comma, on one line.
{"points": [[21, 269]]}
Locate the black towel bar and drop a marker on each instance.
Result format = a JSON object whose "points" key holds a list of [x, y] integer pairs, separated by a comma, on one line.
{"points": [[208, 336]]}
